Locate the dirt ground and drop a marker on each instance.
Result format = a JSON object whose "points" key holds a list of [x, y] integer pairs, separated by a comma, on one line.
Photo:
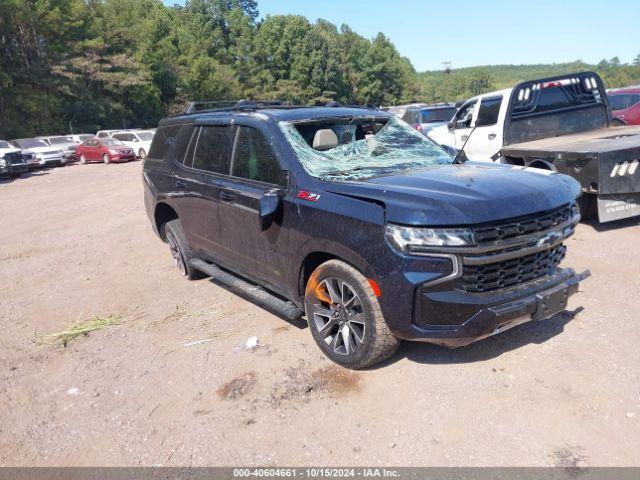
{"points": [[173, 384]]}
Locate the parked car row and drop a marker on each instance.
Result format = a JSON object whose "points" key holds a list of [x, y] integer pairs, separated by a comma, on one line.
{"points": [[23, 154]]}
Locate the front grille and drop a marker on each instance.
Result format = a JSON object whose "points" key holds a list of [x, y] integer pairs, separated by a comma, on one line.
{"points": [[13, 158], [509, 273], [524, 226]]}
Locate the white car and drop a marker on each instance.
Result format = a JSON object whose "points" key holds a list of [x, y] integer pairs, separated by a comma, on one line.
{"points": [[43, 155], [78, 138], [64, 142], [138, 140], [478, 126], [105, 133]]}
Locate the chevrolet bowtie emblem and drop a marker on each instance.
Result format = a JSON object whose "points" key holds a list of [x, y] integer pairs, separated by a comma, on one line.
{"points": [[548, 240]]}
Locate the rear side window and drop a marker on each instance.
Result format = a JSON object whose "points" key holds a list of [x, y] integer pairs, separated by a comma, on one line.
{"points": [[255, 159], [162, 141], [489, 111], [622, 101], [437, 115], [213, 151]]}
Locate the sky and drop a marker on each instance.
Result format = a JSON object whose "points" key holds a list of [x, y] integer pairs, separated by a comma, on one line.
{"points": [[484, 32]]}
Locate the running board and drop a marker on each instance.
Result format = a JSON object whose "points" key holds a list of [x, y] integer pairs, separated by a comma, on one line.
{"points": [[256, 293]]}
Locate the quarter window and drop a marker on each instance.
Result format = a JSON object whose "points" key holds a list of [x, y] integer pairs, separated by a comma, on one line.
{"points": [[213, 151], [254, 158], [162, 141]]}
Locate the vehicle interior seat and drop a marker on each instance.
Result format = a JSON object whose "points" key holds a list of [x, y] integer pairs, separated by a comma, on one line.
{"points": [[325, 139]]}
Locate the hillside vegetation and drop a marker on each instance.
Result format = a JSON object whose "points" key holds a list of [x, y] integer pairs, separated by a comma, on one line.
{"points": [[436, 86], [89, 64], [92, 64]]}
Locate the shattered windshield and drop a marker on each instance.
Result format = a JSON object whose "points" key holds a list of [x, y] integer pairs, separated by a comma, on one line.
{"points": [[356, 148]]}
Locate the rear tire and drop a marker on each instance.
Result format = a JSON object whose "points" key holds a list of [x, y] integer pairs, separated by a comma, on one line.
{"points": [[106, 158], [175, 237], [344, 317], [588, 204]]}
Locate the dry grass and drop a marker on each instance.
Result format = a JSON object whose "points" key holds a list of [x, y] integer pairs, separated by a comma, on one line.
{"points": [[181, 312], [82, 328]]}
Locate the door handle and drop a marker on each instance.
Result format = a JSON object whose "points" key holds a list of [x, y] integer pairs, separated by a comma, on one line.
{"points": [[227, 195], [464, 138], [181, 185], [492, 136]]}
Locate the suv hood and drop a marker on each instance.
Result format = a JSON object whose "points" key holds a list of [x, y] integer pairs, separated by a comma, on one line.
{"points": [[4, 151], [466, 194]]}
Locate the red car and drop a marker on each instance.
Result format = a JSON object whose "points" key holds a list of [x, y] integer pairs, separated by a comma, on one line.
{"points": [[104, 150], [625, 105]]}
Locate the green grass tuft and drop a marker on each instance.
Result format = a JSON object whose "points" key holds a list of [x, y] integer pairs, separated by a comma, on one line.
{"points": [[82, 328]]}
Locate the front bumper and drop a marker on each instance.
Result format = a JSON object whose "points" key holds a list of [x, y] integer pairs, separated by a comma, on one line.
{"points": [[47, 161], [14, 169], [463, 294], [123, 158], [499, 312]]}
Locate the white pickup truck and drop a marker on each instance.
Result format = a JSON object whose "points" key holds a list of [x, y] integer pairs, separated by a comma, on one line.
{"points": [[561, 124]]}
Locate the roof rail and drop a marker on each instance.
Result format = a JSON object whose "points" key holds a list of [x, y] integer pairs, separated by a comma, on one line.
{"points": [[250, 105], [227, 105]]}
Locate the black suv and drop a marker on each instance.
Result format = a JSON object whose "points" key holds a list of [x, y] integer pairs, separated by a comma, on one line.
{"points": [[354, 218]]}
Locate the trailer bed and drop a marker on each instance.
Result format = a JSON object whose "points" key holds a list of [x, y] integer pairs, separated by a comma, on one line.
{"points": [[594, 142]]}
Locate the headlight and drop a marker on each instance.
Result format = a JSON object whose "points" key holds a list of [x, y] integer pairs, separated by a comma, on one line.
{"points": [[415, 239], [3, 161]]}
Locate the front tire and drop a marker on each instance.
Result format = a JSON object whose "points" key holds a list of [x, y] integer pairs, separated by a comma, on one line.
{"points": [[142, 154], [106, 158], [344, 317], [83, 159], [175, 237]]}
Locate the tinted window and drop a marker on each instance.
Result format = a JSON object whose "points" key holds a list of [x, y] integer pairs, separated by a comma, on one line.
{"points": [[489, 110], [465, 115], [254, 158], [213, 151], [437, 115], [103, 134], [411, 116], [30, 143], [112, 142], [165, 137], [622, 101], [59, 140]]}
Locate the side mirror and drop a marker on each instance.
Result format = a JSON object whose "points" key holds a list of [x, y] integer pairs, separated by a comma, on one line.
{"points": [[450, 126], [268, 206]]}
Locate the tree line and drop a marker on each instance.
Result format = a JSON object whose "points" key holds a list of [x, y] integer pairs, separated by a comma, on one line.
{"points": [[84, 65], [436, 86], [89, 64]]}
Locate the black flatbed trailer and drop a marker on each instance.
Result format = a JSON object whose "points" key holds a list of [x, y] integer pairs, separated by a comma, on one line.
{"points": [[577, 140]]}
